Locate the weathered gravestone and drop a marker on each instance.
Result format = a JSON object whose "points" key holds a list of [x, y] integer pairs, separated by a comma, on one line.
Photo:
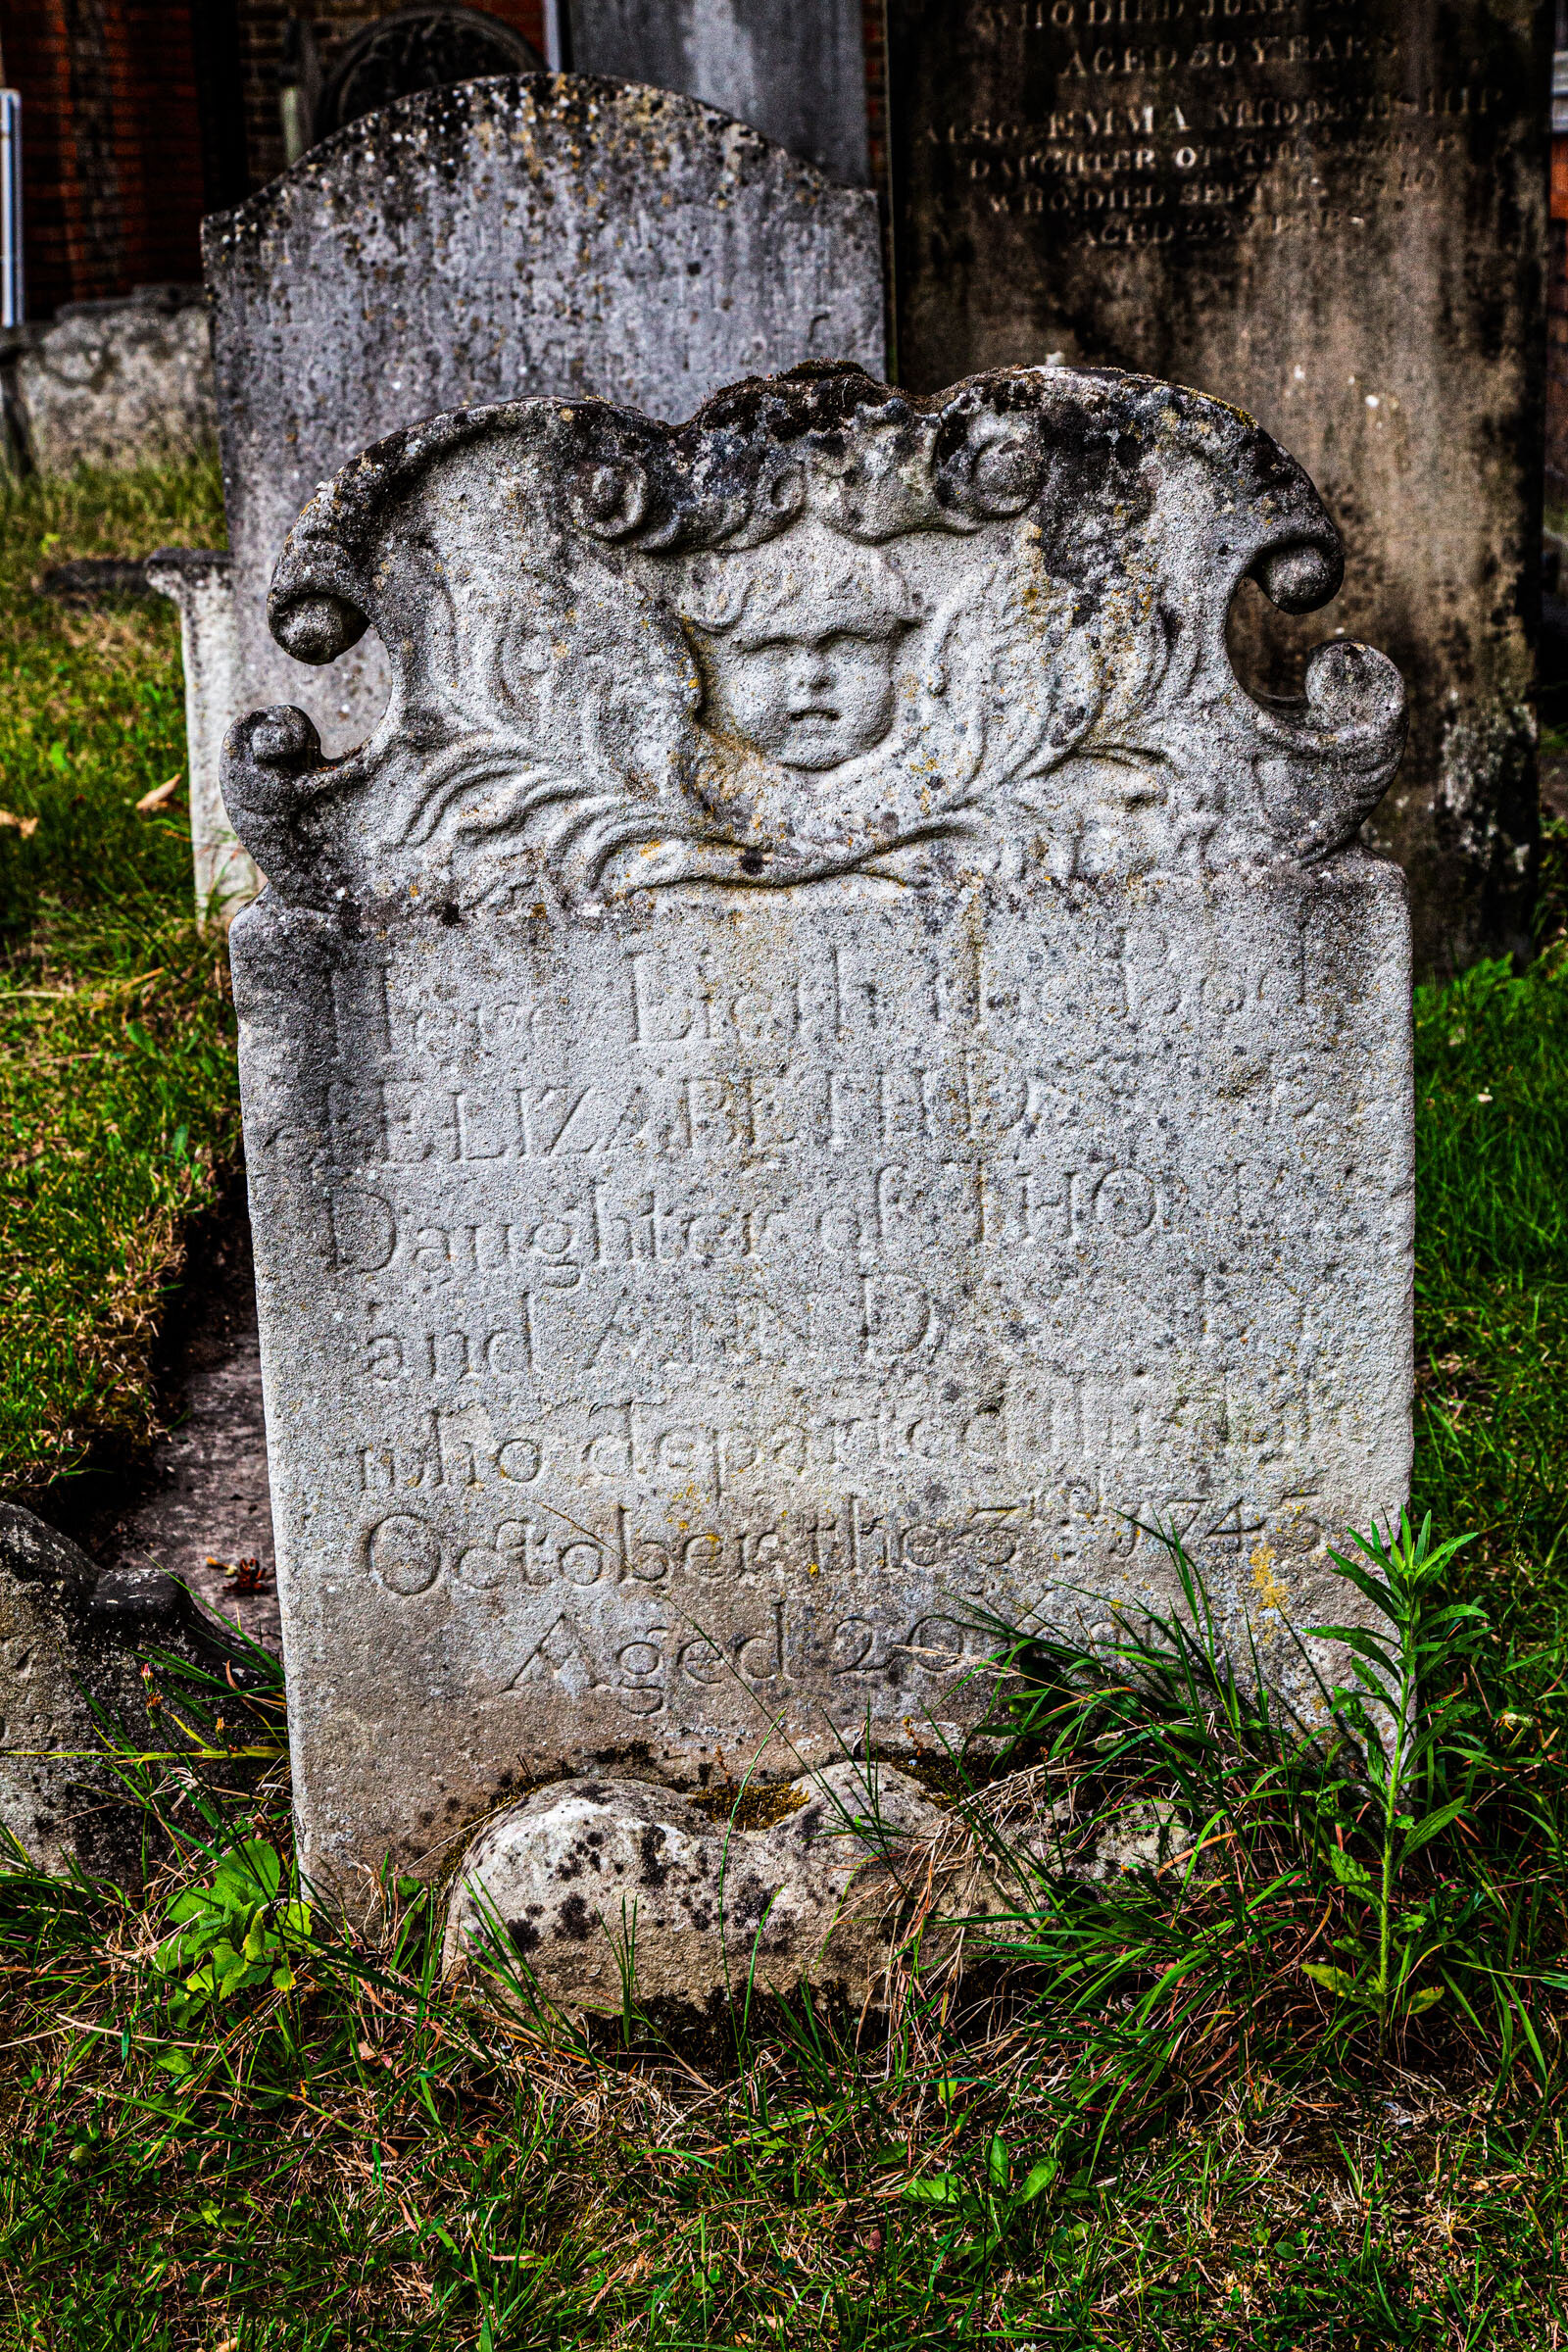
{"points": [[823, 1063], [470, 243], [1335, 213]]}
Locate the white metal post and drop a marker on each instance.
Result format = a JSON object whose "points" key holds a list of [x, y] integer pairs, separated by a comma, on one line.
{"points": [[12, 292]]}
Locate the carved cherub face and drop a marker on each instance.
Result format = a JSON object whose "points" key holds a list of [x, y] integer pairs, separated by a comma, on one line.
{"points": [[797, 652], [810, 701]]}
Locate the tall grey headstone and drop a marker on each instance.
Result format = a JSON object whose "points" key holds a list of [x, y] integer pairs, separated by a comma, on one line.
{"points": [[824, 1068], [1335, 215], [492, 240], [794, 70]]}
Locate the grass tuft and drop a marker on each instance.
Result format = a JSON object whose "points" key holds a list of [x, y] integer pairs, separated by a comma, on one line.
{"points": [[1492, 1277], [118, 1088], [1179, 2103]]}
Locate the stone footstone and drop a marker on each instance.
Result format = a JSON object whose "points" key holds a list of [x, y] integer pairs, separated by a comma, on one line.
{"points": [[825, 1071], [594, 1884]]}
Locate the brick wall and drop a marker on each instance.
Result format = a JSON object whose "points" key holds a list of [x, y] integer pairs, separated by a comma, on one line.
{"points": [[112, 176], [118, 161]]}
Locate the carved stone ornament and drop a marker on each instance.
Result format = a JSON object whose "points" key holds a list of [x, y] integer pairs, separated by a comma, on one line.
{"points": [[824, 629]]}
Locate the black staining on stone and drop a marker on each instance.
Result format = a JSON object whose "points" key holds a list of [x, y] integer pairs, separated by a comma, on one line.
{"points": [[525, 1936], [450, 1805], [651, 1846], [574, 1921], [273, 774], [747, 1901], [754, 861], [78, 1639]]}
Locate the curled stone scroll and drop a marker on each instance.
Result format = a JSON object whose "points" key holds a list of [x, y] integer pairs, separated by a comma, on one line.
{"points": [[825, 629]]}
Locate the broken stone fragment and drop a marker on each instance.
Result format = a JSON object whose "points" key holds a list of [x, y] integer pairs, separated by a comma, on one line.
{"points": [[590, 1886], [72, 1642], [590, 1883]]}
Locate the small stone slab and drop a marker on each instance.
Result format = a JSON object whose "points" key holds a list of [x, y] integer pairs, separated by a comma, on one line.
{"points": [[826, 1069], [123, 382], [598, 1886], [200, 581]]}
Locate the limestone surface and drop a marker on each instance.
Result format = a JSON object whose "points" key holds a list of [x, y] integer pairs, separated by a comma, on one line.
{"points": [[553, 235], [598, 1884], [826, 1072]]}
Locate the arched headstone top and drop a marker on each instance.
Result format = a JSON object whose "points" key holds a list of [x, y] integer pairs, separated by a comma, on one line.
{"points": [[827, 1085], [545, 234]]}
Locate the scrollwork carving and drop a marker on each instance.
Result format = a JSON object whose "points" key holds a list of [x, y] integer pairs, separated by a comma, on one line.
{"points": [[824, 631]]}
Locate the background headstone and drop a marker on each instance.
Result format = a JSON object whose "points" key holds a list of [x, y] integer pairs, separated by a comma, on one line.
{"points": [[794, 70], [497, 238], [1335, 216], [113, 383], [201, 583], [825, 1062]]}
